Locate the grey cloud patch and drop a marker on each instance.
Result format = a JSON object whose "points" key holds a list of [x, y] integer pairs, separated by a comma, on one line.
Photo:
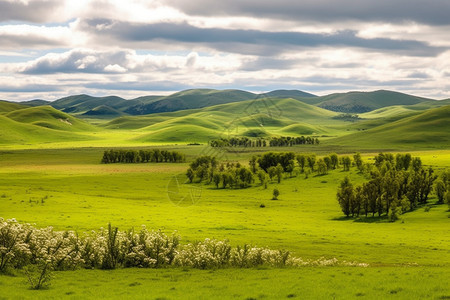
{"points": [[422, 75], [268, 63], [33, 11], [30, 88], [9, 41], [77, 61], [263, 42], [435, 12]]}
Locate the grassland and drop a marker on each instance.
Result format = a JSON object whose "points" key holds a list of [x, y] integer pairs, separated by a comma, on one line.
{"points": [[70, 189], [50, 175]]}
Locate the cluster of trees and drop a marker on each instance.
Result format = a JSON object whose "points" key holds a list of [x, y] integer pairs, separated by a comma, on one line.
{"points": [[260, 142], [232, 175], [271, 166], [396, 184], [142, 156]]}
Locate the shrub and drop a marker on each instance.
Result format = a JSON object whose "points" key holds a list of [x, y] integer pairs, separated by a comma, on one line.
{"points": [[275, 194]]}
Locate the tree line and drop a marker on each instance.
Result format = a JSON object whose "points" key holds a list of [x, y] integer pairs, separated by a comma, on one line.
{"points": [[260, 142], [142, 156], [396, 184]]}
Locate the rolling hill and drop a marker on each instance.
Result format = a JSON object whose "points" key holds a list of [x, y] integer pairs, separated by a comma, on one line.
{"points": [[83, 103], [190, 99], [429, 129], [6, 106], [360, 102], [294, 94], [49, 117], [17, 133], [251, 118]]}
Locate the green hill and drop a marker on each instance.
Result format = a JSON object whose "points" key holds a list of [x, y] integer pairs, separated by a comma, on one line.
{"points": [[190, 99], [252, 118], [360, 102], [6, 107], [16, 133], [49, 117], [294, 94], [84, 103], [103, 111], [429, 129], [36, 102]]}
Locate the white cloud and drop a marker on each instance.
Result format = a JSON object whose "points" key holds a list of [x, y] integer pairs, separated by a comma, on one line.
{"points": [[115, 46]]}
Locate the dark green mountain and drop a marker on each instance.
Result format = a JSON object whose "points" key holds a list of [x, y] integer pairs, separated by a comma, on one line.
{"points": [[360, 102]]}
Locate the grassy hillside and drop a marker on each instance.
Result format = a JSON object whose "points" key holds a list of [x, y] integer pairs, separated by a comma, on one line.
{"points": [[295, 94], [428, 129], [36, 102], [49, 117], [190, 99], [84, 103], [6, 106], [252, 118], [103, 111], [17, 133], [360, 102]]}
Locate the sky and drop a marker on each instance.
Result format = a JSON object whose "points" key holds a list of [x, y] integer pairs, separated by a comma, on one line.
{"points": [[54, 48]]}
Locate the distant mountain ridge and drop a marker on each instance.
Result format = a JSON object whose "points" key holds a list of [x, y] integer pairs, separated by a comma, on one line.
{"points": [[350, 102]]}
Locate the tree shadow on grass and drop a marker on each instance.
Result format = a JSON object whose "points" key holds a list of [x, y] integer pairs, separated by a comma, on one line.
{"points": [[376, 219]]}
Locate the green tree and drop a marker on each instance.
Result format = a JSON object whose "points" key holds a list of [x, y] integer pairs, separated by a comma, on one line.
{"points": [[311, 159], [272, 171], [190, 174], [301, 159], [322, 167], [346, 162], [275, 194], [358, 162], [279, 172], [253, 164], [334, 160], [345, 195], [217, 178], [440, 190]]}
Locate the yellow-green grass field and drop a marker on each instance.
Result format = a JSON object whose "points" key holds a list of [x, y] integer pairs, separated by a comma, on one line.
{"points": [[70, 190]]}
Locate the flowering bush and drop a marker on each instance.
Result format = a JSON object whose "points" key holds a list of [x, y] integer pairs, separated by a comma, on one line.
{"points": [[47, 250]]}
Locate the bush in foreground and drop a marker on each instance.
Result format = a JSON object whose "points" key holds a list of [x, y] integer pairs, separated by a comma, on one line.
{"points": [[46, 250]]}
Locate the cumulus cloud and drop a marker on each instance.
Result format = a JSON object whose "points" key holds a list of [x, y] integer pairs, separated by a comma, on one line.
{"points": [[39, 11], [121, 61]]}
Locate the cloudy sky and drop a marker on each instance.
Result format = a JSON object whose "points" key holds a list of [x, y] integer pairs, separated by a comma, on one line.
{"points": [[54, 48]]}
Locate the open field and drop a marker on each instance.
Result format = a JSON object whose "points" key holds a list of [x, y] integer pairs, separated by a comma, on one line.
{"points": [[261, 283], [51, 175], [70, 189]]}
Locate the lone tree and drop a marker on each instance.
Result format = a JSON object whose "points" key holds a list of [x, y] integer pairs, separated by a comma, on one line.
{"points": [[276, 193]]}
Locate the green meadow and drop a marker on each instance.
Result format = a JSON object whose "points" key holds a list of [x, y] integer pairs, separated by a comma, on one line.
{"points": [[70, 189], [51, 175]]}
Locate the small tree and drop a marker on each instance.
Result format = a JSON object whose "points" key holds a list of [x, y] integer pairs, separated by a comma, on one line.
{"points": [[272, 171], [311, 161], [275, 194], [322, 168], [279, 172], [393, 212], [301, 159], [345, 196], [440, 191], [358, 162], [217, 178], [190, 174]]}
